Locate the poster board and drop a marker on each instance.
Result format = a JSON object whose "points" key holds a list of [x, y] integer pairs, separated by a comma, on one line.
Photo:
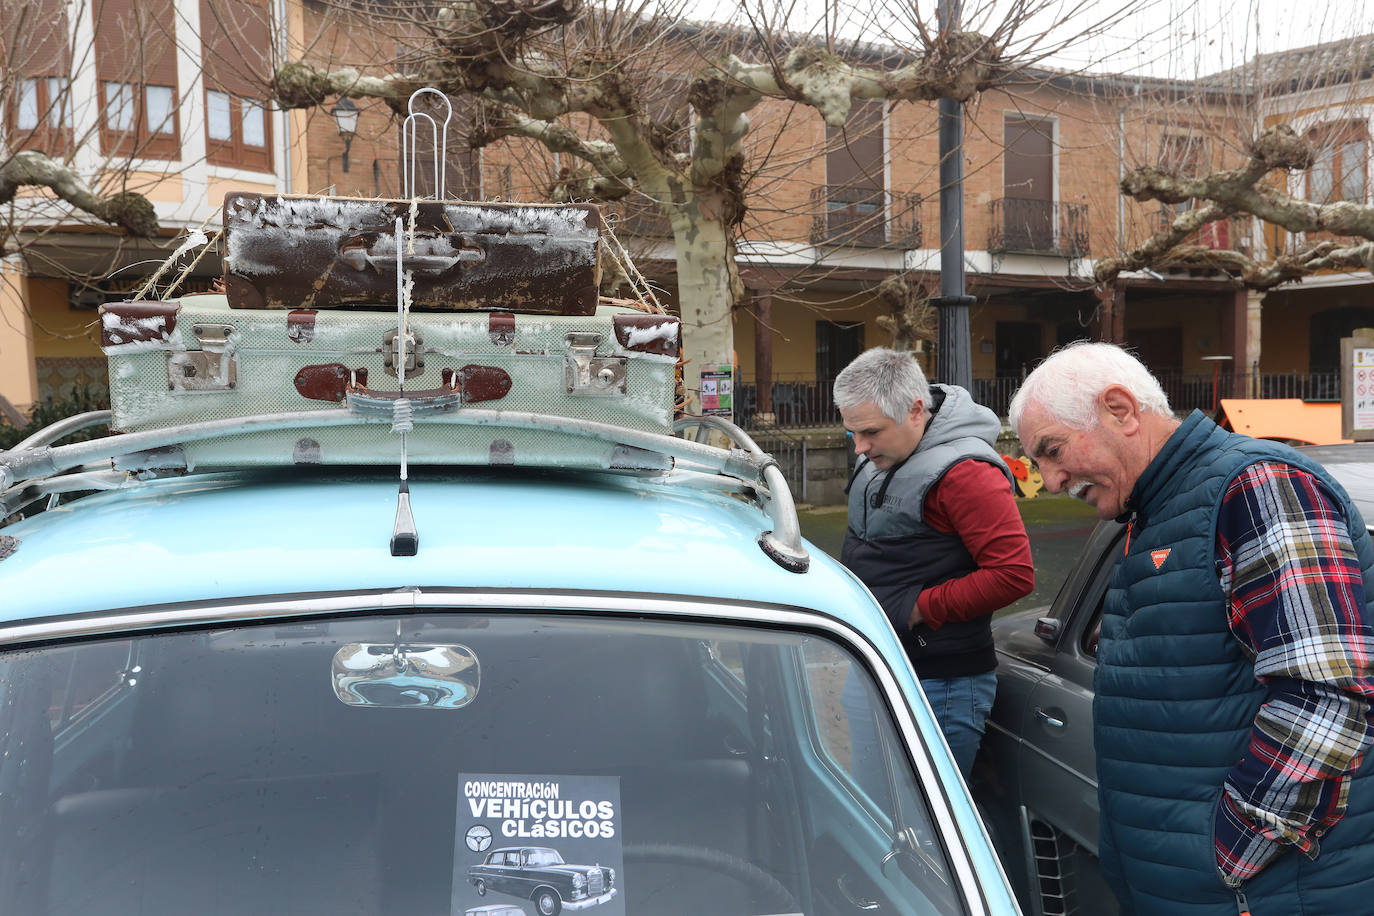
{"points": [[718, 391], [538, 844], [1357, 385]]}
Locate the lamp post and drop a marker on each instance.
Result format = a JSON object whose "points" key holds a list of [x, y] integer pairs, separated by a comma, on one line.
{"points": [[955, 346], [346, 117], [1216, 362]]}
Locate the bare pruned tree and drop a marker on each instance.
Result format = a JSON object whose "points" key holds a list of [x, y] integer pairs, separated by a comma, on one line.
{"points": [[1302, 170], [589, 83]]}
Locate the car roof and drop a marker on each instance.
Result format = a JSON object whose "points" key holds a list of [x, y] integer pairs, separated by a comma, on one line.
{"points": [[207, 537]]}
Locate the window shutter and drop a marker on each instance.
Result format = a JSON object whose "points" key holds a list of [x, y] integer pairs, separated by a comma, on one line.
{"points": [[36, 42], [236, 46], [855, 157], [135, 41]]}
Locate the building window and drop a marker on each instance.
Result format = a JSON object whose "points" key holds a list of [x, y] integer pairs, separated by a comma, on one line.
{"points": [[219, 115], [139, 119], [1340, 167], [136, 65], [238, 130], [119, 107], [160, 109], [45, 101], [236, 53], [42, 114], [854, 203]]}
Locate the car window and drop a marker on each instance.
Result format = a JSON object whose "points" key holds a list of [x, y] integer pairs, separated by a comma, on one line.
{"points": [[85, 678], [1086, 580], [844, 710], [445, 761], [847, 719], [1105, 549], [1092, 632]]}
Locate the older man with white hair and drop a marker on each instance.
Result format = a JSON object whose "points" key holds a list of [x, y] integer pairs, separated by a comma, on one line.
{"points": [[1235, 663]]}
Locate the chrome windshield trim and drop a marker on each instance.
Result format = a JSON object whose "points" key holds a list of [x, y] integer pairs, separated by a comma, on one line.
{"points": [[233, 612]]}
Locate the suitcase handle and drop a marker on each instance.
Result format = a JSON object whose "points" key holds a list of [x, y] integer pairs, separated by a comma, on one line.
{"points": [[467, 385], [382, 403], [379, 253]]}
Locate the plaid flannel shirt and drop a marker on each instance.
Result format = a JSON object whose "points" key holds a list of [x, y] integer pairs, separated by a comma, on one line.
{"points": [[1297, 603]]}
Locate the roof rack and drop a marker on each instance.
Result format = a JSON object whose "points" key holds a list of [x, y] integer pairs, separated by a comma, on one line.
{"points": [[35, 468]]}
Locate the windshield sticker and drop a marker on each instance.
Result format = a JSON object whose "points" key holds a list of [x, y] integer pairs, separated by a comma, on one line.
{"points": [[538, 845]]}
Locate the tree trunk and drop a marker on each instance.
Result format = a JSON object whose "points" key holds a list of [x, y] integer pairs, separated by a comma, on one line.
{"points": [[708, 284]]}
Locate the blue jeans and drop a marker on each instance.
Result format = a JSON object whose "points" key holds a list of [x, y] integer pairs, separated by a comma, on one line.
{"points": [[961, 706]]}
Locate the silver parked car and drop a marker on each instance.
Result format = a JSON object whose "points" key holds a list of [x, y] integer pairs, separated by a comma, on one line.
{"points": [[1036, 781]]}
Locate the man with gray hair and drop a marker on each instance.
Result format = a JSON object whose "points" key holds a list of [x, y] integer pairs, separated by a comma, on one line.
{"points": [[1235, 661], [934, 532]]}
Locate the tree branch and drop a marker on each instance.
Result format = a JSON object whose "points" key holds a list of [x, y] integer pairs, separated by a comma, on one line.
{"points": [[130, 211], [1237, 191], [616, 178], [958, 67]]}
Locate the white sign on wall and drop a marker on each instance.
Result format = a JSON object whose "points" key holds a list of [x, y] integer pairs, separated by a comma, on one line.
{"points": [[1363, 396], [1357, 385]]}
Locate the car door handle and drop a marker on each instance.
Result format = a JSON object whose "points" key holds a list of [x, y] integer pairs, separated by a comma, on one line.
{"points": [[1048, 719], [858, 901]]}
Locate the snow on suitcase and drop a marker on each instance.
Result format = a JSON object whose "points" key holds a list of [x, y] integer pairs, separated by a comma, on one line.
{"points": [[181, 361], [284, 252]]}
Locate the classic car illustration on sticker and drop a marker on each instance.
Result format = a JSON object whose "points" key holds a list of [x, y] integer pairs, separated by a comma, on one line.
{"points": [[538, 873]]}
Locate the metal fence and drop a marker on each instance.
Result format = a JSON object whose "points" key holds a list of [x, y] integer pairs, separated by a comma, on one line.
{"points": [[790, 454], [1310, 386], [802, 403], [797, 402]]}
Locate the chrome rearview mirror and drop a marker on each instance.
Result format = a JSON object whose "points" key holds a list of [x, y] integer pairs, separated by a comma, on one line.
{"points": [[402, 675]]}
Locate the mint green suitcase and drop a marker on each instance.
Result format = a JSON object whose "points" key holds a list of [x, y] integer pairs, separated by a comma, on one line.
{"points": [[195, 359]]}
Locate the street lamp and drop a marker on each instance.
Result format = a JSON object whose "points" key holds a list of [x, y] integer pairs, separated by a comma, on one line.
{"points": [[346, 117], [1216, 362]]}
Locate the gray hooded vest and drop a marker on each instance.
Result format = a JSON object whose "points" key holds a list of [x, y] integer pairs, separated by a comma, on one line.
{"points": [[896, 553]]}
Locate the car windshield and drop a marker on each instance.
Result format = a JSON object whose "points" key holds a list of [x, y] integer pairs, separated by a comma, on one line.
{"points": [[362, 764]]}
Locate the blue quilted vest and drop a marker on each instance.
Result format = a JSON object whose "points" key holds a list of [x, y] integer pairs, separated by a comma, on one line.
{"points": [[1176, 697]]}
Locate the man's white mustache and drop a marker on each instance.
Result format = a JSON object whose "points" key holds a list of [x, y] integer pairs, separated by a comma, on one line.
{"points": [[1078, 488]]}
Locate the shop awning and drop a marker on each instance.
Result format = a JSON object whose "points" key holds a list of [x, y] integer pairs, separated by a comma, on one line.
{"points": [[1287, 419]]}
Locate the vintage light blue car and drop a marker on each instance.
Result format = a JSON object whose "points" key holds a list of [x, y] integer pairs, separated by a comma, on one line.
{"points": [[221, 691], [288, 643]]}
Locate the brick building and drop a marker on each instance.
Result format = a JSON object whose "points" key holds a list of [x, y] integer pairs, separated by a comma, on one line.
{"points": [[183, 93]]}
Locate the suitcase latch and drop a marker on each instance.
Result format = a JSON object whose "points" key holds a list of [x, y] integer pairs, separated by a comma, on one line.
{"points": [[214, 367], [589, 375], [391, 351]]}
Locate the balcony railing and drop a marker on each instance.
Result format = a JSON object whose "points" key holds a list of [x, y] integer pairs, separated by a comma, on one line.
{"points": [[1038, 227], [864, 217]]}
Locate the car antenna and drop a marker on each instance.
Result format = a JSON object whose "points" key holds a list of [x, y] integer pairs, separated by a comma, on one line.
{"points": [[405, 537]]}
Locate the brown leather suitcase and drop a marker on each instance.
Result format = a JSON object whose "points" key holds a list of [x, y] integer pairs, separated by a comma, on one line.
{"points": [[530, 258]]}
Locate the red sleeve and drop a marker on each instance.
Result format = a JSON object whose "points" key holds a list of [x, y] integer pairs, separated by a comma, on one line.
{"points": [[974, 501]]}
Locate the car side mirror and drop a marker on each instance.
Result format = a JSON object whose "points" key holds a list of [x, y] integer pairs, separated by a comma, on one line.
{"points": [[400, 675], [1047, 628]]}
